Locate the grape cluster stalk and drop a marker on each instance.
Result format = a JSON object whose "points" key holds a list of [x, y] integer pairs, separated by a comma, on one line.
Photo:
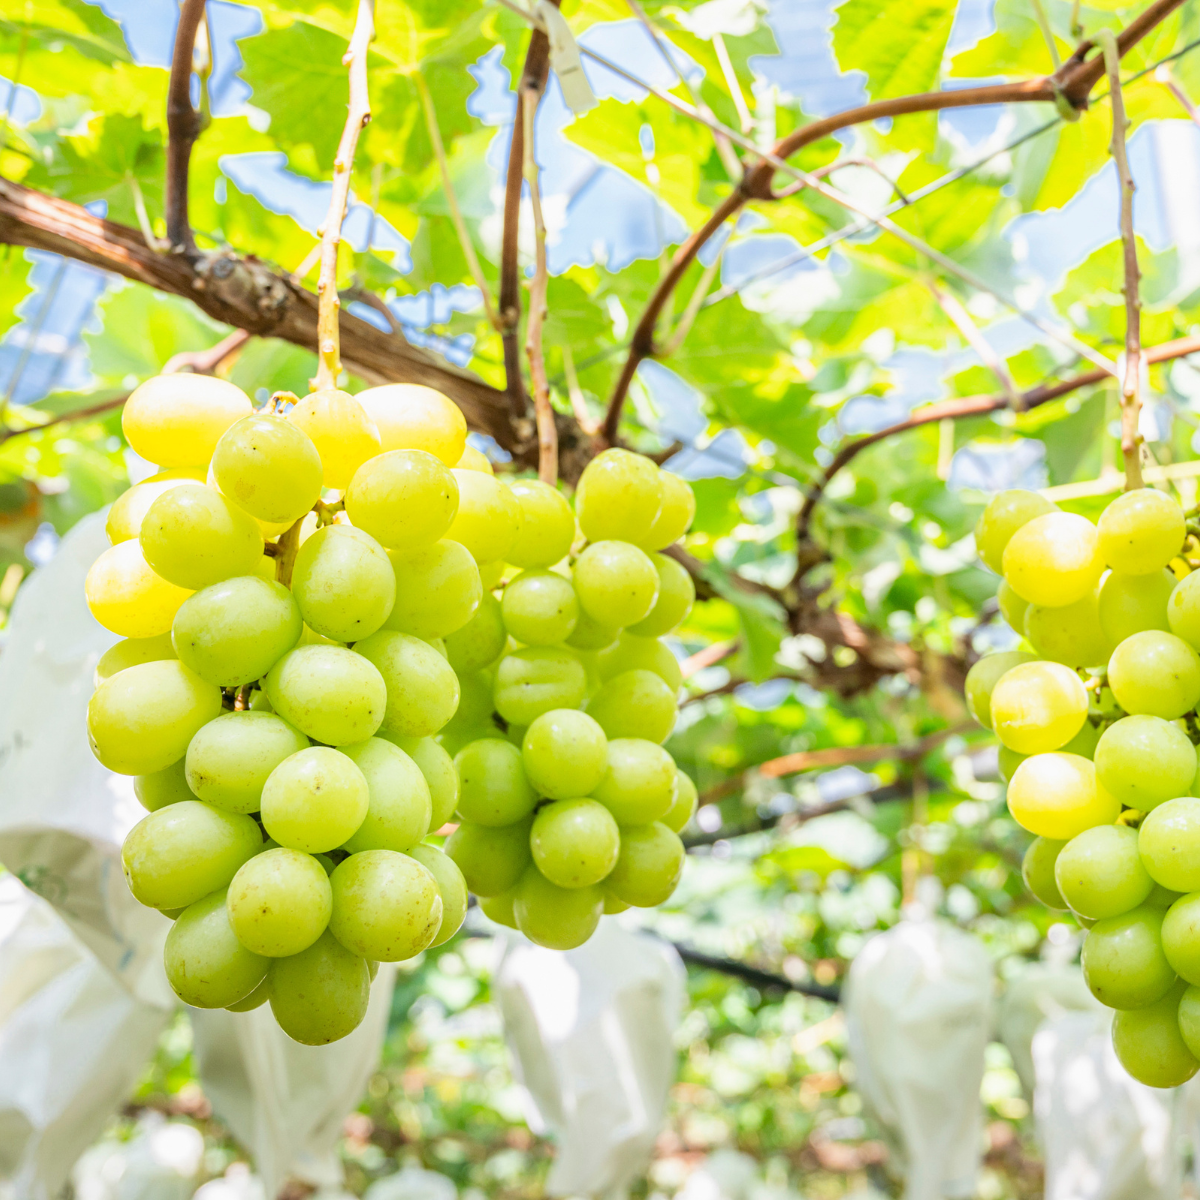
{"points": [[1097, 723], [342, 634]]}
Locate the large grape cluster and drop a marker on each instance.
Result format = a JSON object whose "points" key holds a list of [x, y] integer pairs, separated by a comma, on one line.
{"points": [[307, 595], [1098, 731]]}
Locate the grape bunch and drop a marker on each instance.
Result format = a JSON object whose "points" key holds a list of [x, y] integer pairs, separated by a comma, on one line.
{"points": [[1098, 730], [306, 598]]}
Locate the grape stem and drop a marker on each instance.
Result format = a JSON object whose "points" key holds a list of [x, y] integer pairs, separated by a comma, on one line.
{"points": [[287, 548]]}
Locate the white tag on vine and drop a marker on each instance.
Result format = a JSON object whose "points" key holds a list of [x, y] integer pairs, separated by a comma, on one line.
{"points": [[564, 58]]}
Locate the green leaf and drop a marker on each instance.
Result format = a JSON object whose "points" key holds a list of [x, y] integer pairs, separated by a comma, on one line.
{"points": [[898, 43], [14, 284]]}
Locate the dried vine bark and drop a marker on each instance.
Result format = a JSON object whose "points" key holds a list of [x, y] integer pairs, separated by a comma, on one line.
{"points": [[183, 128]]}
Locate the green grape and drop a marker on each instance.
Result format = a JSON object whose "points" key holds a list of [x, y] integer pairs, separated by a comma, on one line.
{"points": [[1012, 606], [1038, 706], [565, 754], [1055, 559], [640, 782], [491, 859], [1123, 961], [193, 537], [1008, 761], [181, 853], [590, 635], [1070, 634], [1132, 604], [321, 994], [547, 527], [635, 704], [386, 906], [335, 696], [1005, 513], [1083, 743], [1169, 843], [229, 759], [1162, 897], [481, 640], [619, 496], [1188, 1016], [1057, 796], [616, 583], [438, 768], [493, 789], [1154, 1043], [437, 590], [612, 904], [451, 886], [649, 865], [164, 787], [676, 515], [279, 902], [475, 699], [575, 843], [314, 800], [1099, 873], [256, 999], [1144, 760], [539, 608], [556, 917], [404, 499], [1183, 607], [400, 808], [410, 416], [343, 583], [422, 689], [500, 908], [535, 680], [132, 652], [234, 631], [1037, 870], [141, 720], [206, 965], [488, 517], [676, 595], [1141, 531], [1181, 936], [345, 437], [683, 809], [177, 420], [130, 507], [268, 466], [982, 679], [127, 597], [1156, 673], [633, 653]]}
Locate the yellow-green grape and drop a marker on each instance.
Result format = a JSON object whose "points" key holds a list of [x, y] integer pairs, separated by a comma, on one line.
{"points": [[1156, 673], [405, 499], [1181, 937], [1183, 605], [473, 719], [1054, 559], [1157, 1044], [1131, 604], [422, 689], [164, 787], [635, 704], [345, 437], [386, 906], [343, 583], [142, 719], [612, 904], [206, 965], [267, 465], [590, 635], [400, 808], [1169, 843], [684, 806], [1006, 512], [229, 759], [451, 886], [1141, 531], [436, 765], [648, 867], [472, 460], [1100, 874], [234, 631], [1145, 760], [314, 800], [1039, 706], [132, 652], [181, 853], [633, 653], [193, 537], [130, 507], [492, 574], [547, 526], [488, 518], [410, 416], [556, 917], [982, 679], [1012, 607], [438, 590], [336, 696], [256, 999], [125, 595], [540, 608], [535, 680], [575, 843], [676, 595], [674, 517], [1123, 961], [279, 902], [1071, 634], [490, 858], [616, 583], [493, 788], [500, 908], [565, 754], [620, 496], [321, 994], [640, 782], [1162, 897], [1037, 870], [481, 640], [177, 420], [1057, 796], [1083, 743]]}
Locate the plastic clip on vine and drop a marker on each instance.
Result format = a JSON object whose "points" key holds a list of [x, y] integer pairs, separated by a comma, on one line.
{"points": [[292, 737]]}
